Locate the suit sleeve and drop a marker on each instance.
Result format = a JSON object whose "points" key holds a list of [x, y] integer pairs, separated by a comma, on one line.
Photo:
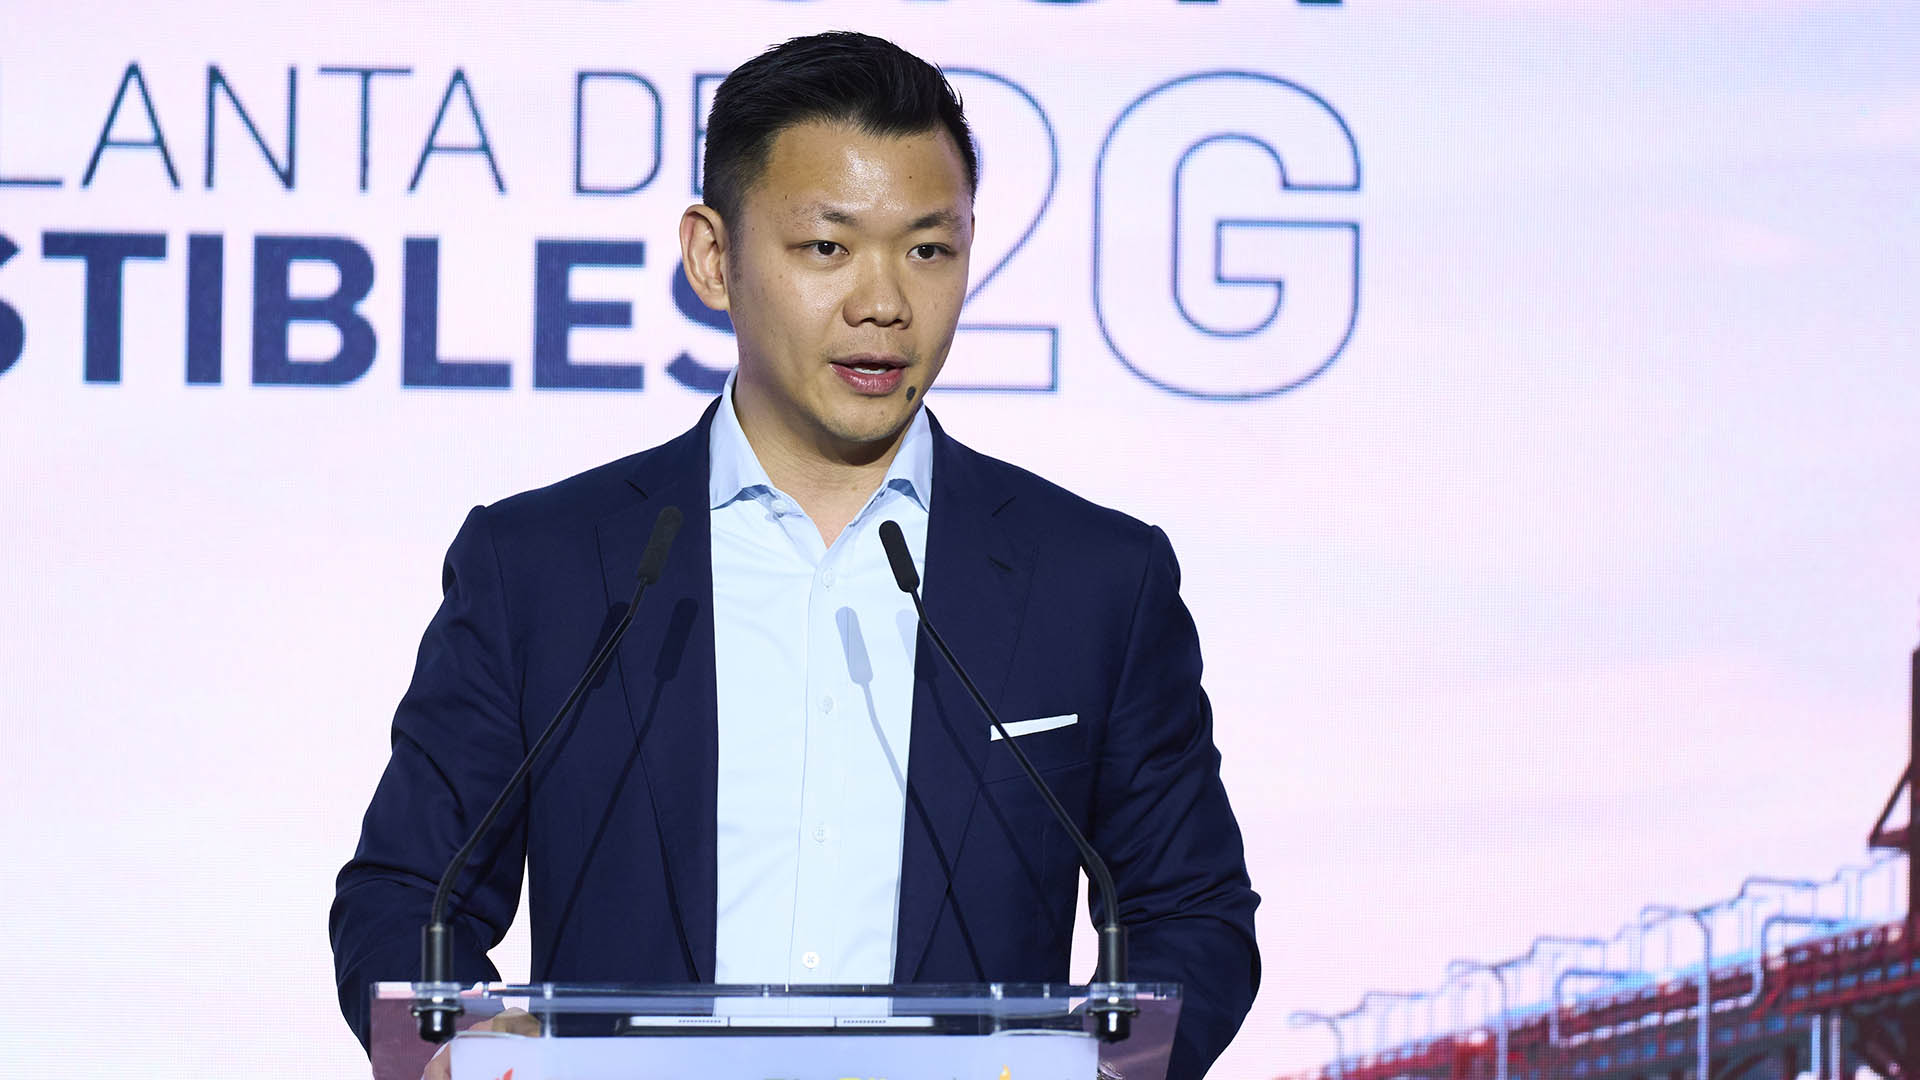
{"points": [[1162, 821], [457, 737]]}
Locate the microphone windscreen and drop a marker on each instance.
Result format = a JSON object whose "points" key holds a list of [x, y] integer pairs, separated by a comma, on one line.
{"points": [[665, 528], [904, 575]]}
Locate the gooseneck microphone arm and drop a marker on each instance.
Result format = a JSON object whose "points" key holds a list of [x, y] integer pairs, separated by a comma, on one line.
{"points": [[1114, 1014], [437, 1000]]}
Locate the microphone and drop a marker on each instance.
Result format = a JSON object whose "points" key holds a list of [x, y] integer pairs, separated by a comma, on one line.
{"points": [[437, 997], [1113, 1017]]}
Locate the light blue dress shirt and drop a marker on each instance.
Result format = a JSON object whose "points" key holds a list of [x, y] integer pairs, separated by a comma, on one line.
{"points": [[813, 650]]}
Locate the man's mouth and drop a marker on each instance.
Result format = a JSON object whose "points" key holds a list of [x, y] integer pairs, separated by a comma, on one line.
{"points": [[871, 375], [872, 365]]}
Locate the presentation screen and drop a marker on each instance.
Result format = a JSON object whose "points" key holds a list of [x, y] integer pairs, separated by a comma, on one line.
{"points": [[1528, 390]]}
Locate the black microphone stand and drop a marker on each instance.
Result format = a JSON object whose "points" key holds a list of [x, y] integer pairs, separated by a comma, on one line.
{"points": [[436, 997], [1113, 1013]]}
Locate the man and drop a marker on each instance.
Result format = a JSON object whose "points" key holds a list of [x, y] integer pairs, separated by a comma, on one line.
{"points": [[774, 782]]}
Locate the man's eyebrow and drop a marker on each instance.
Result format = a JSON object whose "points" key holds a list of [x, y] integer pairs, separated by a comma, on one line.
{"points": [[937, 219], [934, 220]]}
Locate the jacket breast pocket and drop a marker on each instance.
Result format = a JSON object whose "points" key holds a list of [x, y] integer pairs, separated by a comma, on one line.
{"points": [[1050, 742]]}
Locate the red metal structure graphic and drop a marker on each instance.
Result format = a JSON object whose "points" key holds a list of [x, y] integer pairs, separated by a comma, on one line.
{"points": [[1790, 978]]}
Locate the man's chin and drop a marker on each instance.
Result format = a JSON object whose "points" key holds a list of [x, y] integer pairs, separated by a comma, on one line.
{"points": [[868, 437]]}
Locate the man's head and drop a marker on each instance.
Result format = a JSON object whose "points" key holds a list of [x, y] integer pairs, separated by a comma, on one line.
{"points": [[837, 225], [845, 78]]}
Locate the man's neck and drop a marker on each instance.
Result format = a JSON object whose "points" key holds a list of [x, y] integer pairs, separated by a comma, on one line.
{"points": [[831, 483]]}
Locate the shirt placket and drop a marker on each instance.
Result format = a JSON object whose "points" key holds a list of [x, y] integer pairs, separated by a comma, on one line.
{"points": [[815, 946], [811, 946]]}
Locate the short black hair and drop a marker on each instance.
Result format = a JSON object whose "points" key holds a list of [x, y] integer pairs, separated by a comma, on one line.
{"points": [[840, 77]]}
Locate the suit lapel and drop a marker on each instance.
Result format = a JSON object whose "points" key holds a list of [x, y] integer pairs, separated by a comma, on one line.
{"points": [[666, 667], [975, 591], [976, 585]]}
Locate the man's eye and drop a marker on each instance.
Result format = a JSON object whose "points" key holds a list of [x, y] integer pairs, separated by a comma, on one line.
{"points": [[929, 251], [824, 247]]}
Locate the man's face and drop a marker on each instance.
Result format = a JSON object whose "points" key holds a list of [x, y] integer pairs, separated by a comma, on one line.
{"points": [[845, 275]]}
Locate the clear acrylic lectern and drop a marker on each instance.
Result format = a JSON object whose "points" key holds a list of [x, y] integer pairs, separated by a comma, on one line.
{"points": [[993, 1031]]}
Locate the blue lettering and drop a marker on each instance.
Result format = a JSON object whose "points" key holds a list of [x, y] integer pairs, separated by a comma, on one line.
{"points": [[1262, 299], [157, 142], [556, 313], [206, 304], [276, 309], [104, 254], [366, 104], [218, 81], [27, 181], [13, 332], [696, 376], [483, 147], [580, 81], [420, 363]]}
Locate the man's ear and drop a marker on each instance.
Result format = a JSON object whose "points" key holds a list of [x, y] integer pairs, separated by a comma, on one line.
{"points": [[703, 254]]}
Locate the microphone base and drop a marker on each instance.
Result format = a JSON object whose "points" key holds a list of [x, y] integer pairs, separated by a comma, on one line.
{"points": [[437, 1006], [1112, 1007], [436, 997]]}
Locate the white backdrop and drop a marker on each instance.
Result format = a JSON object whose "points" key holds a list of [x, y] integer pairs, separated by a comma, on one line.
{"points": [[1553, 529]]}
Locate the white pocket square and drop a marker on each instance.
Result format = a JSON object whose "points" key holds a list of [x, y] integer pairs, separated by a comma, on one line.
{"points": [[1028, 727]]}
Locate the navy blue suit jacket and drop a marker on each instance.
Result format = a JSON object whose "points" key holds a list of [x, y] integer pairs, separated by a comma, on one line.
{"points": [[1055, 606]]}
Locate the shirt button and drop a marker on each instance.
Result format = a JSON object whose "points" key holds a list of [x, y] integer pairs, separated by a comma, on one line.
{"points": [[820, 834], [827, 579], [826, 704], [810, 960]]}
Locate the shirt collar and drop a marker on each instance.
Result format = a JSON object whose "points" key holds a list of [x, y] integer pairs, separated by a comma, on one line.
{"points": [[734, 471]]}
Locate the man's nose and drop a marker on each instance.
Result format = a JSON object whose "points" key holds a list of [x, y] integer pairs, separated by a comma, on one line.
{"points": [[877, 296]]}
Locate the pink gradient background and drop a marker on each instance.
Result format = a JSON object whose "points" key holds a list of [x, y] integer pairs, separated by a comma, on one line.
{"points": [[1586, 577]]}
